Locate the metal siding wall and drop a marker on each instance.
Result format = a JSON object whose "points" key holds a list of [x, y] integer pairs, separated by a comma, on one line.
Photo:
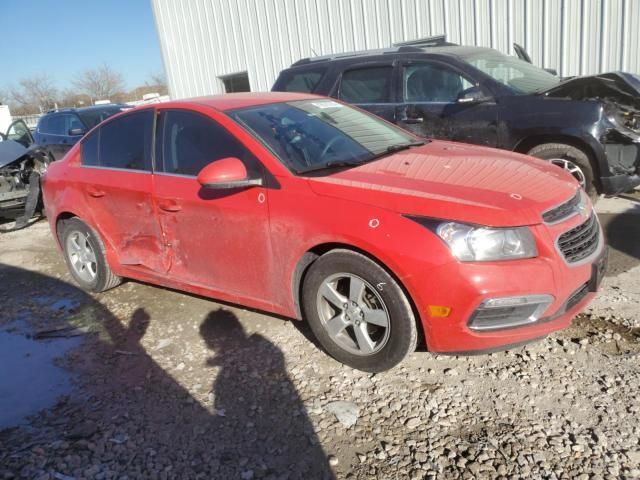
{"points": [[202, 40]]}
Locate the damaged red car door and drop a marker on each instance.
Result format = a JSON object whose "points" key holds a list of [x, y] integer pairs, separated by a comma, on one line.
{"points": [[116, 181], [215, 237]]}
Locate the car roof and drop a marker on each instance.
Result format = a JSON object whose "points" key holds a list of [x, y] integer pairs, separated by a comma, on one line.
{"points": [[461, 51], [232, 101], [87, 109]]}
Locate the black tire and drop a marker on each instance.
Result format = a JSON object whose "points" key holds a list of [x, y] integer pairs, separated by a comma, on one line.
{"points": [[104, 278], [402, 333], [560, 152]]}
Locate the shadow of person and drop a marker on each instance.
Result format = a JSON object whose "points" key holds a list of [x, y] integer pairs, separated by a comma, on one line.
{"points": [[262, 422]]}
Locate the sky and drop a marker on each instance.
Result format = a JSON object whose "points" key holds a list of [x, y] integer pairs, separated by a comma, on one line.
{"points": [[64, 37]]}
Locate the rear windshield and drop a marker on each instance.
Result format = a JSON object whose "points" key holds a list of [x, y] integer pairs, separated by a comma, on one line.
{"points": [[93, 117]]}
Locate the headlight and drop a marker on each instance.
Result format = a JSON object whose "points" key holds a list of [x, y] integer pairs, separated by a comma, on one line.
{"points": [[472, 243]]}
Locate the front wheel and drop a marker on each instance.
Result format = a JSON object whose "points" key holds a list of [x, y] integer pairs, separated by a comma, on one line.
{"points": [[572, 160], [358, 312]]}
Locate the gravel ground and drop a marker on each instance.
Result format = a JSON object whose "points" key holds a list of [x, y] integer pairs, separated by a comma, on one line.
{"points": [[168, 385]]}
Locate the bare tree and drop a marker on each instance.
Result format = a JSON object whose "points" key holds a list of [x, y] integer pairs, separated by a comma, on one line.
{"points": [[159, 83], [71, 98], [4, 97], [100, 83], [36, 93]]}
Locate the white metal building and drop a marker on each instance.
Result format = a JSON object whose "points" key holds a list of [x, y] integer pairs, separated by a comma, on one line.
{"points": [[213, 46]]}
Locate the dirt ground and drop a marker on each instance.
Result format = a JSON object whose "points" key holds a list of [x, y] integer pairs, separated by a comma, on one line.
{"points": [[159, 384]]}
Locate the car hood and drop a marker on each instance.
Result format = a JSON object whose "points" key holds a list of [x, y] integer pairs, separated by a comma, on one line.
{"points": [[10, 151], [456, 182], [618, 92], [595, 86]]}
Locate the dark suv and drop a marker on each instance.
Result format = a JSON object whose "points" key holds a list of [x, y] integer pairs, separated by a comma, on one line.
{"points": [[588, 125], [59, 130]]}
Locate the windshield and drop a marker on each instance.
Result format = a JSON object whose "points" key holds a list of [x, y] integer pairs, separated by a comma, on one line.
{"points": [[93, 117], [314, 134], [522, 77]]}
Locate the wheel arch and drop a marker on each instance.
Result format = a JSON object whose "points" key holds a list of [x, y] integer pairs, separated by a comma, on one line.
{"points": [[106, 241], [312, 254], [525, 145], [61, 217]]}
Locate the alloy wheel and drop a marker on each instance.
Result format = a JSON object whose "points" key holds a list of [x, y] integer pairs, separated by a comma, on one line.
{"points": [[572, 168], [353, 314], [81, 256]]}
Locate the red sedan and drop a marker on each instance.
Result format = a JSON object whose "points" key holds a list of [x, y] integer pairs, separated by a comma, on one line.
{"points": [[306, 207]]}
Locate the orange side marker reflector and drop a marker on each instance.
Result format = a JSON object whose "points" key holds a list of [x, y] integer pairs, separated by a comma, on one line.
{"points": [[439, 311]]}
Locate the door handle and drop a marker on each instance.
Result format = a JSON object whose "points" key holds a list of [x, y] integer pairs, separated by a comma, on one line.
{"points": [[412, 120], [170, 206], [95, 193]]}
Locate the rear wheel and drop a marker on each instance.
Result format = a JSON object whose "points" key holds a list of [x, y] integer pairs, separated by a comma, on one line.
{"points": [[85, 256], [571, 159], [358, 312]]}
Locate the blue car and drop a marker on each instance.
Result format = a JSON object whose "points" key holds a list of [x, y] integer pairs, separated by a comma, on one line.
{"points": [[58, 130]]}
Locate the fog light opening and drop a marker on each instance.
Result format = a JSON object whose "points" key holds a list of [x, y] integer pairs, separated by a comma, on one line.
{"points": [[509, 312]]}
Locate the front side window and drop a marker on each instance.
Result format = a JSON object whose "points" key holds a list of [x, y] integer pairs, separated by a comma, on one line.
{"points": [[309, 135], [191, 141], [366, 85], [430, 82], [124, 143], [73, 122]]}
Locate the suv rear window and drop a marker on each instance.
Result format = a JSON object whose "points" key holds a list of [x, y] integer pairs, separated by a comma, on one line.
{"points": [[366, 85], [304, 82]]}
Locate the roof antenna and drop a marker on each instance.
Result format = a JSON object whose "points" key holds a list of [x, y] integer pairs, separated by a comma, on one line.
{"points": [[313, 51]]}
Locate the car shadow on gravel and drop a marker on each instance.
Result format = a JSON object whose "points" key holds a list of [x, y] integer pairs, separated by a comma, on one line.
{"points": [[623, 236], [129, 416]]}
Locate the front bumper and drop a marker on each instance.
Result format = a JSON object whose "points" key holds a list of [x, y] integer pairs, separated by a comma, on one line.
{"points": [[621, 158], [466, 286]]}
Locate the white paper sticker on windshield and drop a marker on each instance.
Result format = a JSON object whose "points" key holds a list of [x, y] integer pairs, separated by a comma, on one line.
{"points": [[326, 104]]}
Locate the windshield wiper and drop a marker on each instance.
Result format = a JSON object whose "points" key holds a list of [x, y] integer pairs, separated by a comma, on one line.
{"points": [[397, 148], [344, 164], [331, 165]]}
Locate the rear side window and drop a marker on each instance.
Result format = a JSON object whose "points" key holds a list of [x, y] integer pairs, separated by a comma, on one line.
{"points": [[304, 82], [89, 149], [56, 125], [126, 142], [123, 143], [191, 141], [366, 85], [43, 125]]}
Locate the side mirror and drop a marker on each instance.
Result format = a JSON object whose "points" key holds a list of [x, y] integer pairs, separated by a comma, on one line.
{"points": [[472, 95], [75, 132], [226, 173]]}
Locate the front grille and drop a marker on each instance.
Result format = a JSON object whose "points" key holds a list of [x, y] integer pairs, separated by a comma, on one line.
{"points": [[576, 297], [581, 241], [563, 211]]}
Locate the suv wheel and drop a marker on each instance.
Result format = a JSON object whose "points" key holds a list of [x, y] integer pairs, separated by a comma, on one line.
{"points": [[571, 159], [85, 257], [358, 312]]}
